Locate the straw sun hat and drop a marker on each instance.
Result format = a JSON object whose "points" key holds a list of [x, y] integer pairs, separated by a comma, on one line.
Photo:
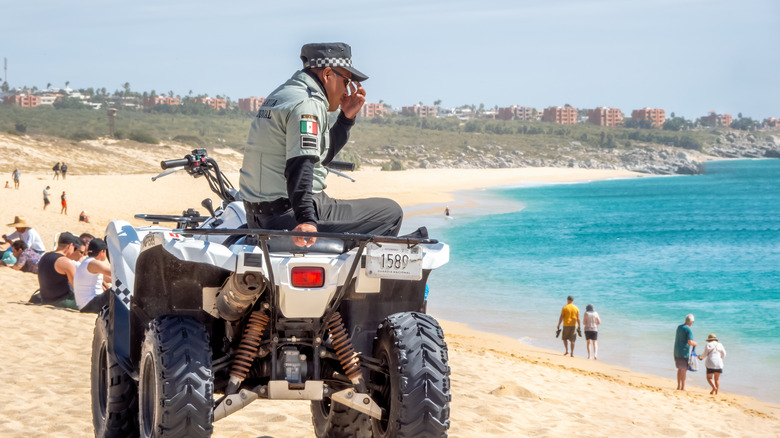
{"points": [[712, 337], [19, 222]]}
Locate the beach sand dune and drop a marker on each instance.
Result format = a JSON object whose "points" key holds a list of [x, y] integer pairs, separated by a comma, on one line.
{"points": [[500, 387]]}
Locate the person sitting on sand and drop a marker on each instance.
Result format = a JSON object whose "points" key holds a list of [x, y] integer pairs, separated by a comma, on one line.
{"points": [[92, 279], [26, 258], [83, 217], [26, 233], [7, 186], [591, 322], [56, 271], [682, 342], [714, 353], [570, 317]]}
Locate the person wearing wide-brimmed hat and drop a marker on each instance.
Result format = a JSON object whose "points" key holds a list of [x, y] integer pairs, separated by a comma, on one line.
{"points": [[714, 353], [291, 142], [25, 233]]}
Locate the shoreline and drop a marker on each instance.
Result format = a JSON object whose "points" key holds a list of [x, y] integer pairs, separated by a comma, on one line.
{"points": [[491, 374], [536, 337]]}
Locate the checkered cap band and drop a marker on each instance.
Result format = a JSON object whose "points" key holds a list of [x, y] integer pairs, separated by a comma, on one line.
{"points": [[328, 62]]}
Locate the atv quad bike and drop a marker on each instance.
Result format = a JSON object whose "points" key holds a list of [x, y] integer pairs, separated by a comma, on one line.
{"points": [[210, 316]]}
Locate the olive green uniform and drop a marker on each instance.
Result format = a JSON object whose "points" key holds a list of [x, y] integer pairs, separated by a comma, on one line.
{"points": [[293, 123]]}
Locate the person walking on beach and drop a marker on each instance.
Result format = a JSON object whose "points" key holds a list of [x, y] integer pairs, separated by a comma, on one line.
{"points": [[64, 200], [570, 317], [683, 342], [714, 353], [46, 201], [16, 175], [291, 142], [64, 170], [591, 322], [56, 170]]}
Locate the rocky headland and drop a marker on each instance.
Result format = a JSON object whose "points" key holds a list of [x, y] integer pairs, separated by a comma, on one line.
{"points": [[644, 158]]}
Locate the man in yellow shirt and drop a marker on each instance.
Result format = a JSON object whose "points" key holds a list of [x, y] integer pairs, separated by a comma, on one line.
{"points": [[570, 317]]}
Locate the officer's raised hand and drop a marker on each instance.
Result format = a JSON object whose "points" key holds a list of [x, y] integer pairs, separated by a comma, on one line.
{"points": [[354, 100]]}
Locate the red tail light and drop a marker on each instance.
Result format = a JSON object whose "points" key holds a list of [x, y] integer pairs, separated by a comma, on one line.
{"points": [[307, 276]]}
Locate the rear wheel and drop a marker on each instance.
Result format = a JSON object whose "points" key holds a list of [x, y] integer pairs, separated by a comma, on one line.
{"points": [[334, 420], [176, 383], [114, 392], [414, 389]]}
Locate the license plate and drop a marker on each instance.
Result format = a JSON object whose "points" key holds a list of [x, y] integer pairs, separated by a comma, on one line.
{"points": [[393, 260]]}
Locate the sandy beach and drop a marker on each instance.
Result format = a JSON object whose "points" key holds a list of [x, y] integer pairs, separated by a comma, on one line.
{"points": [[500, 387]]}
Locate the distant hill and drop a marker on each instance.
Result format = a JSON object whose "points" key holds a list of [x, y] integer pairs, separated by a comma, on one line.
{"points": [[40, 137]]}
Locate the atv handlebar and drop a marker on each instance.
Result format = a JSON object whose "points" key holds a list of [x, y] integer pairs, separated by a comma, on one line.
{"points": [[168, 164], [344, 166]]}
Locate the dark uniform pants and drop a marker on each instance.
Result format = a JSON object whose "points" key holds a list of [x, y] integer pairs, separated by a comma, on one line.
{"points": [[378, 216]]}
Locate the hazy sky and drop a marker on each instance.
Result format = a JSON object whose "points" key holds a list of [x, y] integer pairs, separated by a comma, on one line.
{"points": [[686, 56]]}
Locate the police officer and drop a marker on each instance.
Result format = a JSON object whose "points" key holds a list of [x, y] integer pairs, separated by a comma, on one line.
{"points": [[291, 142]]}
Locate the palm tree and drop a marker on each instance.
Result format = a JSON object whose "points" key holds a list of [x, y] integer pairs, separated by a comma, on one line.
{"points": [[66, 84], [48, 85]]}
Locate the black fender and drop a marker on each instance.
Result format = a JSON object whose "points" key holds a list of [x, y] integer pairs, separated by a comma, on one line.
{"points": [[362, 316], [165, 285]]}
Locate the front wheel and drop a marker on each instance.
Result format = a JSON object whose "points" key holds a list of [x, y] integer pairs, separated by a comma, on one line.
{"points": [[334, 420], [176, 382], [413, 388], [114, 392]]}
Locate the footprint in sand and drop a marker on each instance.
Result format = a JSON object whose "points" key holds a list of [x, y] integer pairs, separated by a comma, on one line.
{"points": [[514, 390]]}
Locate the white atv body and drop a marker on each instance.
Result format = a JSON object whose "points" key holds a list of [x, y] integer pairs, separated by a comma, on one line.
{"points": [[205, 319]]}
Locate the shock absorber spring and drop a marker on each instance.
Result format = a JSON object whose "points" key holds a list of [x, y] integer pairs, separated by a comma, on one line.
{"points": [[344, 350], [247, 349]]}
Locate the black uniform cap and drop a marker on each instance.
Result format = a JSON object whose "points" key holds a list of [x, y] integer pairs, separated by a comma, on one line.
{"points": [[318, 55]]}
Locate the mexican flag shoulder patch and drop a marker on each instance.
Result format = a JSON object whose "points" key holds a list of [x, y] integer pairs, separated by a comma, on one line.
{"points": [[309, 125]]}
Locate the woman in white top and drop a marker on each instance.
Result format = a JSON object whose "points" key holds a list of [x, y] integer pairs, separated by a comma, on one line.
{"points": [[591, 322], [714, 353]]}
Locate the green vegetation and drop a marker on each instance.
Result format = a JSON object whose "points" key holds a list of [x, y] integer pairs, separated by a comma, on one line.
{"points": [[210, 128], [395, 141]]}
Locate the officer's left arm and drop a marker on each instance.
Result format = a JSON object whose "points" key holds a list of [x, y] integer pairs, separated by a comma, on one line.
{"points": [[339, 135]]}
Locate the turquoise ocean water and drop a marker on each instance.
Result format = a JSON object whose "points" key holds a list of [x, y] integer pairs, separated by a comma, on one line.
{"points": [[645, 252]]}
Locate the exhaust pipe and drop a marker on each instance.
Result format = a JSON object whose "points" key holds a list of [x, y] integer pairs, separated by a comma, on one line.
{"points": [[238, 294]]}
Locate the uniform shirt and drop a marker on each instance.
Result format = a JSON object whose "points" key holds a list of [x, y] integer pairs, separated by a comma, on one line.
{"points": [[30, 237], [681, 346], [570, 314], [291, 123], [86, 285]]}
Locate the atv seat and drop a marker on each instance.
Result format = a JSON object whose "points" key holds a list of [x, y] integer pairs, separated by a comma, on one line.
{"points": [[322, 245]]}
